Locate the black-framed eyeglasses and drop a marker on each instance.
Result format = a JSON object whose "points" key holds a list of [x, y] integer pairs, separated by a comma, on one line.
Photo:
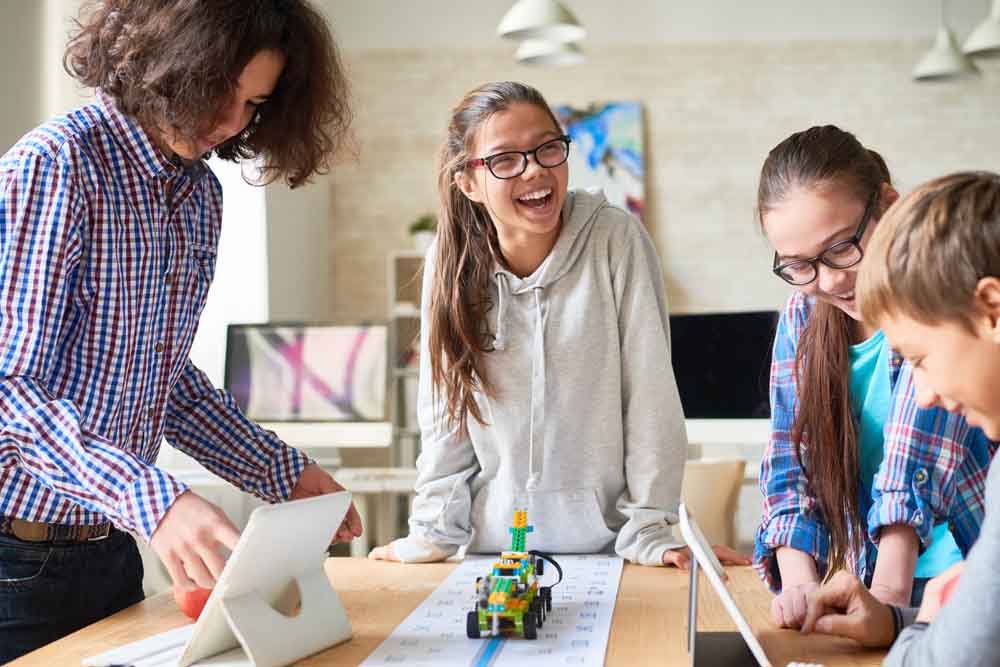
{"points": [[841, 255], [511, 164]]}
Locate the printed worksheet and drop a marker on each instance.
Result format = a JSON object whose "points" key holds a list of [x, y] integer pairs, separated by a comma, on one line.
{"points": [[575, 632]]}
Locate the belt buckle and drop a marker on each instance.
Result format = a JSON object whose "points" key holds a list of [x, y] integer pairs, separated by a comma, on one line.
{"points": [[104, 534]]}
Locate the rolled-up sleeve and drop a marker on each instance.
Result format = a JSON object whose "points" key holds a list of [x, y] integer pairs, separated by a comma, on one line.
{"points": [[920, 476], [789, 512]]}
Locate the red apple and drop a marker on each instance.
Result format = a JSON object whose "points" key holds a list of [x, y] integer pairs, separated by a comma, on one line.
{"points": [[191, 602]]}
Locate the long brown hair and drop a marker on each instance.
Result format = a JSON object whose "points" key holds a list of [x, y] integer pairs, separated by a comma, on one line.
{"points": [[824, 431], [172, 64], [931, 249], [467, 247]]}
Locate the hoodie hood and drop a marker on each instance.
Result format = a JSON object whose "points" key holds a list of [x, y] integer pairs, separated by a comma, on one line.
{"points": [[579, 211]]}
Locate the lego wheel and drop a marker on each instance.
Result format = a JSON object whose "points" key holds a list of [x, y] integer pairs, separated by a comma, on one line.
{"points": [[472, 625], [530, 628], [539, 566]]}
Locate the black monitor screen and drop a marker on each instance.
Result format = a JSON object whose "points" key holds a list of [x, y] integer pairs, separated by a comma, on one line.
{"points": [[722, 362]]}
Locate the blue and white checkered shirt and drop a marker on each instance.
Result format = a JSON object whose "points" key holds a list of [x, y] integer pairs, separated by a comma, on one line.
{"points": [[107, 251]]}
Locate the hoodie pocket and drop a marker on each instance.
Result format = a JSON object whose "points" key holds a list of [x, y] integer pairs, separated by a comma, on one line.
{"points": [[564, 520]]}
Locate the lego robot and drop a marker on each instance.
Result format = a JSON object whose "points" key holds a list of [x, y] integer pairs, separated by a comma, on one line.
{"points": [[509, 599]]}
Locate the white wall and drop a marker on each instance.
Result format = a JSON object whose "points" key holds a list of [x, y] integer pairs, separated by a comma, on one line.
{"points": [[239, 291], [447, 24], [298, 241], [20, 24]]}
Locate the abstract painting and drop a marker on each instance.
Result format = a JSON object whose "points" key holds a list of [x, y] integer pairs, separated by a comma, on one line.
{"points": [[294, 372], [607, 151]]}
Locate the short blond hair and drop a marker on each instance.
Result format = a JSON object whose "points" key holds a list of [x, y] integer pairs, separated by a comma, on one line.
{"points": [[931, 249]]}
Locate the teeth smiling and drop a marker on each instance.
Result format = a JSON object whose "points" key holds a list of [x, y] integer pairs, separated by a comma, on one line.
{"points": [[537, 194]]}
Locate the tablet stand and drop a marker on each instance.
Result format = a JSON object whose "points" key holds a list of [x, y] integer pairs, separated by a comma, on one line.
{"points": [[269, 638]]}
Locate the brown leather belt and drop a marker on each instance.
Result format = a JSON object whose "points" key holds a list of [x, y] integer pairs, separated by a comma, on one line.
{"points": [[36, 531]]}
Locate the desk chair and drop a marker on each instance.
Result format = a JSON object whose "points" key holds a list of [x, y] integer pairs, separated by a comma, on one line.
{"points": [[711, 490]]}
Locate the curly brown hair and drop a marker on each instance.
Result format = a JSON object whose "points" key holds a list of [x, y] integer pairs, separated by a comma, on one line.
{"points": [[175, 63]]}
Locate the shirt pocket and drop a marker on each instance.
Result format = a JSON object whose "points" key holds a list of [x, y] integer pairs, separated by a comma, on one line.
{"points": [[21, 565], [199, 268]]}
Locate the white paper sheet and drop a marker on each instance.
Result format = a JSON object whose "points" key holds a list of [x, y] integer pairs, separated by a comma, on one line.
{"points": [[575, 631]]}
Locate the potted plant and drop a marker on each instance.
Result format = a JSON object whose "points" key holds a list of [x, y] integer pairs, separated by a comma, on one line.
{"points": [[422, 230]]}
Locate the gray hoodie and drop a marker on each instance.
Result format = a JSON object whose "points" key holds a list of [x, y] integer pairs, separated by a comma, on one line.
{"points": [[586, 430]]}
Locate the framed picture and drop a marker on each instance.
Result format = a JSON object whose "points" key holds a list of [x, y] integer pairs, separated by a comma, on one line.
{"points": [[608, 151], [307, 372]]}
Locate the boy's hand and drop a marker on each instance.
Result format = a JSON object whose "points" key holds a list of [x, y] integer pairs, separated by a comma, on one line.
{"points": [[938, 591], [682, 557], [384, 553], [788, 608], [188, 538], [844, 607], [315, 481]]}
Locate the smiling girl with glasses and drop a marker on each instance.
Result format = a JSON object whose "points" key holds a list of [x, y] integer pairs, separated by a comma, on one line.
{"points": [[842, 400], [545, 372]]}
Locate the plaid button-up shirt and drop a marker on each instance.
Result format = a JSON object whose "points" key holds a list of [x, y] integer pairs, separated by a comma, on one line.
{"points": [[933, 470], [107, 251]]}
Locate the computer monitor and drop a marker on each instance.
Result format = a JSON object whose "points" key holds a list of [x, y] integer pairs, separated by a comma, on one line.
{"points": [[722, 363], [307, 372]]}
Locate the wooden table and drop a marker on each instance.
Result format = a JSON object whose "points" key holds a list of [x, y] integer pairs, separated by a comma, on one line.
{"points": [[649, 627]]}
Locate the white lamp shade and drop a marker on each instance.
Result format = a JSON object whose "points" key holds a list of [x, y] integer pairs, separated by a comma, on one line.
{"points": [[540, 19], [540, 52], [985, 39], [944, 60]]}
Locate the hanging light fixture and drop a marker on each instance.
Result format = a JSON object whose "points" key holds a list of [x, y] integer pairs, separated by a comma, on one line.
{"points": [[541, 52], [545, 20], [944, 60], [985, 39]]}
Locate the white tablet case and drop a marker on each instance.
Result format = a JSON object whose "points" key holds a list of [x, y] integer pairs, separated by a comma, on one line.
{"points": [[283, 546], [712, 568]]}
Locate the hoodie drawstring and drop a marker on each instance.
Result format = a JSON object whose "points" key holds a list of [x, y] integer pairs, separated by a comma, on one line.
{"points": [[537, 419], [500, 340]]}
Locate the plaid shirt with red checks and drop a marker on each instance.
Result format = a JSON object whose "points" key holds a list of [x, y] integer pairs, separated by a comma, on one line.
{"points": [[107, 251]]}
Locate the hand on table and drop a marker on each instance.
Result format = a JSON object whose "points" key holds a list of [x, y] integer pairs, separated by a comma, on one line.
{"points": [[788, 608], [845, 607], [681, 557], [384, 553]]}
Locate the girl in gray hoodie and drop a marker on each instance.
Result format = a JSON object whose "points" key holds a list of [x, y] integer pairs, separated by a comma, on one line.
{"points": [[545, 373]]}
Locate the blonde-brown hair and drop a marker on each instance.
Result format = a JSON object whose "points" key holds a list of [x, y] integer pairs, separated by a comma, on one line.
{"points": [[931, 249]]}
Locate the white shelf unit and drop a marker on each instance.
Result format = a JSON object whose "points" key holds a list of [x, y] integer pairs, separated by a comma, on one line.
{"points": [[404, 281]]}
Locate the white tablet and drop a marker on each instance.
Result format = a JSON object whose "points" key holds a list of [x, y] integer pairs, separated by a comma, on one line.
{"points": [[273, 604], [282, 547], [705, 557]]}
